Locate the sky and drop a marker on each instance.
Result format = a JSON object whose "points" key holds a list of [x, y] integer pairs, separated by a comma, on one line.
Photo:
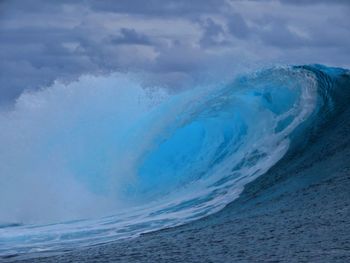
{"points": [[175, 44]]}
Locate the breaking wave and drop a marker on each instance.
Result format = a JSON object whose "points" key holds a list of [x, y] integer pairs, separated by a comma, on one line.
{"points": [[103, 158]]}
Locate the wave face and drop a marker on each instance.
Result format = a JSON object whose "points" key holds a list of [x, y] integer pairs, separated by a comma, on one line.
{"points": [[103, 159]]}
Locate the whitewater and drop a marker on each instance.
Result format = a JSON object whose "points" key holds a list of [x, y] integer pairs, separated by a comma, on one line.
{"points": [[104, 159]]}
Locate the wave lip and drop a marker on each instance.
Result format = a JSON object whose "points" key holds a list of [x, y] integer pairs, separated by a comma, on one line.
{"points": [[147, 159]]}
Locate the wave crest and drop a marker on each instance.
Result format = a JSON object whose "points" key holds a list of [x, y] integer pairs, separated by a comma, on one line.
{"points": [[106, 146]]}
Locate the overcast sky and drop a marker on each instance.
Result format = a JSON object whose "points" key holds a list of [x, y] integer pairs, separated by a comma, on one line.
{"points": [[173, 43]]}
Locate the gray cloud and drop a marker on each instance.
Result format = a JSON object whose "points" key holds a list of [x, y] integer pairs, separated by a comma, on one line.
{"points": [[158, 7], [212, 33], [131, 37], [312, 2], [175, 42], [238, 26]]}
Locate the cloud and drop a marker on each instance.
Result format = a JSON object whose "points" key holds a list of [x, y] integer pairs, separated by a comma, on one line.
{"points": [[176, 43], [213, 34], [312, 2], [237, 26], [131, 37], [158, 7]]}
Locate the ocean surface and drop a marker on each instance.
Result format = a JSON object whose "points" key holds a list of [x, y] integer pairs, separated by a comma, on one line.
{"points": [[253, 170]]}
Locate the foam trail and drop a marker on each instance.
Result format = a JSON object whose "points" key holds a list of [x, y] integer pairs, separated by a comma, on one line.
{"points": [[121, 160]]}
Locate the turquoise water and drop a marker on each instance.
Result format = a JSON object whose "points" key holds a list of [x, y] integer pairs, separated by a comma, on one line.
{"points": [[103, 159]]}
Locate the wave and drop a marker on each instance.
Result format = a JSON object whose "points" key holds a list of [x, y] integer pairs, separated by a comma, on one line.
{"points": [[103, 158]]}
